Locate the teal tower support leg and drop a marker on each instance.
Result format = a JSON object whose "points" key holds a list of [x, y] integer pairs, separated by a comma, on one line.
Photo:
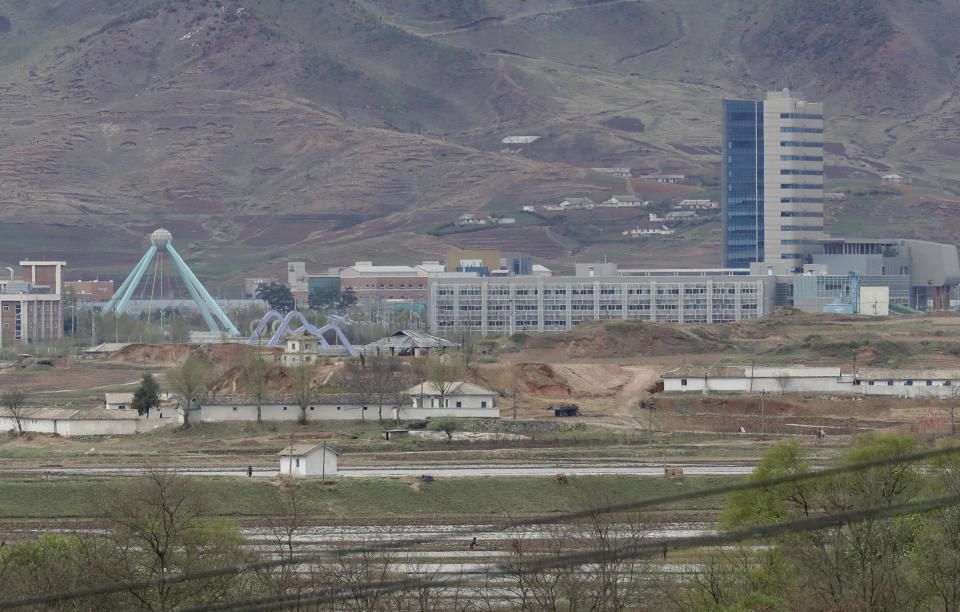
{"points": [[205, 296], [132, 280]]}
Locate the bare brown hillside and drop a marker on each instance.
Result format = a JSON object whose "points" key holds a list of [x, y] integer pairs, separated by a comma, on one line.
{"points": [[268, 129]]}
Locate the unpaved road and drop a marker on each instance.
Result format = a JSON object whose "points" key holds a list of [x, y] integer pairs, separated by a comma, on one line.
{"points": [[445, 470]]}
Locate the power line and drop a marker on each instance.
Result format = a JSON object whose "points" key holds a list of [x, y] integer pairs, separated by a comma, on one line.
{"points": [[594, 556], [541, 520]]}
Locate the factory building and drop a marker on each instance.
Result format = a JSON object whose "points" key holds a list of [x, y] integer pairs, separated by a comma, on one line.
{"points": [[31, 309], [508, 305], [90, 290]]}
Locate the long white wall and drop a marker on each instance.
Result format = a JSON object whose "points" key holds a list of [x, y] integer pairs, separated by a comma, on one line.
{"points": [[85, 427], [811, 384], [331, 412]]}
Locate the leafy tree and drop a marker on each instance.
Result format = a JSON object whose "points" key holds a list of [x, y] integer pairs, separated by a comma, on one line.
{"points": [[773, 504], [14, 400], [278, 296], [189, 380], [446, 424], [331, 298], [854, 564], [53, 563], [147, 395], [936, 557], [348, 297], [323, 298]]}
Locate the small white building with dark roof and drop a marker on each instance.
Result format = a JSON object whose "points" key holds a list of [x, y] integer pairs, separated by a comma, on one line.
{"points": [[118, 401], [462, 399], [309, 460]]}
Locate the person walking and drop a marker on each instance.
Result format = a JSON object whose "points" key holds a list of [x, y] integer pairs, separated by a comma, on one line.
{"points": [[473, 543]]}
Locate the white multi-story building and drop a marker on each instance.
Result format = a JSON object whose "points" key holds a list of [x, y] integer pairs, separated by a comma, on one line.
{"points": [[548, 304]]}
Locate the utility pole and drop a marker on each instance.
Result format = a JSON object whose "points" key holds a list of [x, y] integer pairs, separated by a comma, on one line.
{"points": [[649, 425], [323, 464], [514, 393], [762, 424], [291, 453]]}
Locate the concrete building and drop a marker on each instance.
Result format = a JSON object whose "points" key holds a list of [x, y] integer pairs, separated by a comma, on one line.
{"points": [[696, 205], [252, 283], [481, 261], [408, 343], [309, 460], [885, 382], [372, 282], [772, 182], [89, 291], [649, 228], [307, 348], [337, 407], [69, 422], [662, 178], [462, 399], [118, 401], [548, 304], [31, 310], [918, 274], [623, 201]]}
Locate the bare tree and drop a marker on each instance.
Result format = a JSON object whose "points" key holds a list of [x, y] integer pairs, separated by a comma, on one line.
{"points": [[402, 382], [287, 522], [445, 373], [255, 379], [356, 379], [303, 388], [159, 528], [783, 380], [14, 400], [190, 380], [420, 371], [383, 373]]}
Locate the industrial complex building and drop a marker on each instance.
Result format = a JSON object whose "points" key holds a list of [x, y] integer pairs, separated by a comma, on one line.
{"points": [[552, 304], [31, 309]]}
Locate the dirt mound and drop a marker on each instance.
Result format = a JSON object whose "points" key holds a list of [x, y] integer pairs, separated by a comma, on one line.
{"points": [[603, 339], [228, 355]]}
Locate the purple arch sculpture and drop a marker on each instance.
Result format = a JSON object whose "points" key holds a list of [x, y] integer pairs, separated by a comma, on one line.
{"points": [[285, 327]]}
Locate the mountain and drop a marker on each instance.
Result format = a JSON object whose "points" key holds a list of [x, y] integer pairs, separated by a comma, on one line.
{"points": [[266, 129]]}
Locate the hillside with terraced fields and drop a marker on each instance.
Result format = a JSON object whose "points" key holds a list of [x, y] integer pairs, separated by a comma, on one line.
{"points": [[265, 129]]}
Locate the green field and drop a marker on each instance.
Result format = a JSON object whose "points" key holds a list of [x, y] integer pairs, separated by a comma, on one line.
{"points": [[409, 498]]}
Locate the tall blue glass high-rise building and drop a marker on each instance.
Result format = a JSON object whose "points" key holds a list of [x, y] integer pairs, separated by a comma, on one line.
{"points": [[772, 181], [742, 183]]}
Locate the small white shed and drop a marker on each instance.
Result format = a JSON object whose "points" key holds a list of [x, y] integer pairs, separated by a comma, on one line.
{"points": [[118, 401], [309, 460]]}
